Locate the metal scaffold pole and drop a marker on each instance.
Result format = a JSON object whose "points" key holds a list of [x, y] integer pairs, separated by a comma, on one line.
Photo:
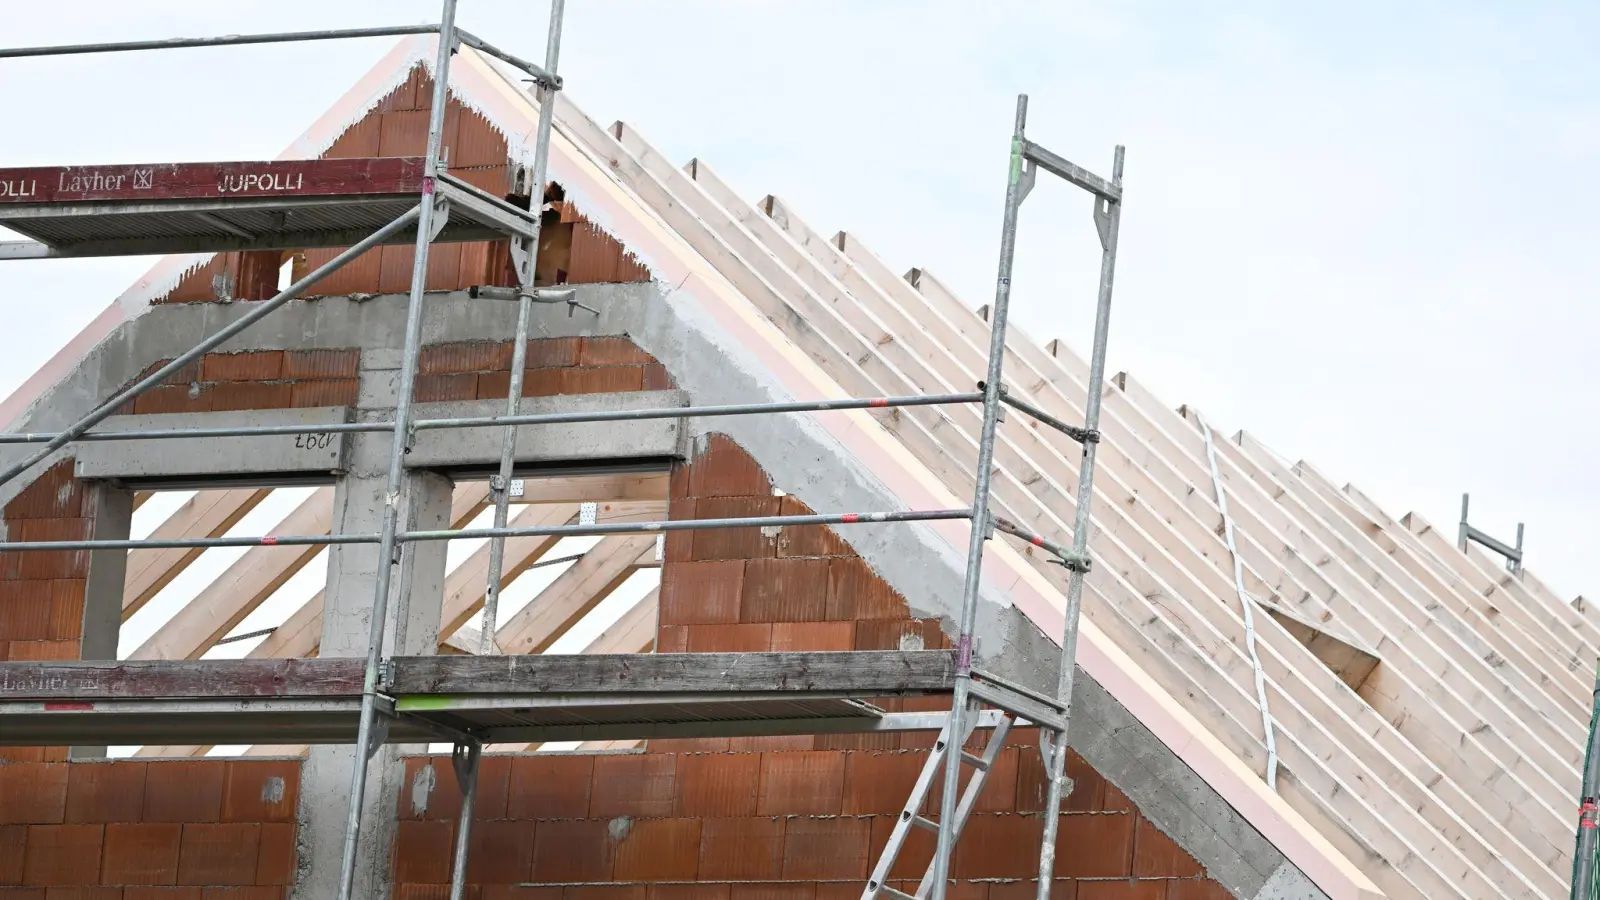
{"points": [[980, 509], [387, 544], [1107, 220], [526, 252]]}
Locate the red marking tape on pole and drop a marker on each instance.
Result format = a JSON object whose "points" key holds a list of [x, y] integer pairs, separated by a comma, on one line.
{"points": [[850, 518], [1036, 541], [269, 541], [879, 401]]}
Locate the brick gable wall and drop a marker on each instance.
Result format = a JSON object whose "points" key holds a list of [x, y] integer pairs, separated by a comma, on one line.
{"points": [[787, 818], [571, 250]]}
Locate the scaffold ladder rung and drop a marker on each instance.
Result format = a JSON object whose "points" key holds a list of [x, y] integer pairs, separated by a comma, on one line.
{"points": [[911, 816]]}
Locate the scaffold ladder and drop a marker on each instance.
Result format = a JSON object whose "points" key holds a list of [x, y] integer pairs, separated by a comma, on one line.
{"points": [[972, 687]]}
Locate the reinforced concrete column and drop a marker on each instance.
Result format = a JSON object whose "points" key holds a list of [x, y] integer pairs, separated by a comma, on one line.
{"points": [[111, 509], [358, 507]]}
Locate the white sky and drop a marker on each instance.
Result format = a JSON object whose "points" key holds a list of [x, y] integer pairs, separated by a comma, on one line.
{"points": [[1362, 231]]}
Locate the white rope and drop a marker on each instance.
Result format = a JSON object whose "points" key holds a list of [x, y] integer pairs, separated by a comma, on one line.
{"points": [[1246, 603]]}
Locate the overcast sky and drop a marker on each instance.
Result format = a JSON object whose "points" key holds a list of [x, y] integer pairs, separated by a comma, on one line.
{"points": [[1363, 231]]}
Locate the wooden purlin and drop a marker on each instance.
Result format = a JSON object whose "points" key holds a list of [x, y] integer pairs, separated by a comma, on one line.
{"points": [[1450, 845]]}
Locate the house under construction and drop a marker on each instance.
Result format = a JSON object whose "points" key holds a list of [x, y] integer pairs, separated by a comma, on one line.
{"points": [[941, 610]]}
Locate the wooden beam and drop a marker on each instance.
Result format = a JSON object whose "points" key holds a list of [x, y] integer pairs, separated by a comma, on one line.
{"points": [[244, 586], [171, 679], [206, 514], [574, 592], [467, 583], [634, 631]]}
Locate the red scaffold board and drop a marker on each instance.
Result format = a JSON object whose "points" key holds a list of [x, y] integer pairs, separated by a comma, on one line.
{"points": [[212, 181]]}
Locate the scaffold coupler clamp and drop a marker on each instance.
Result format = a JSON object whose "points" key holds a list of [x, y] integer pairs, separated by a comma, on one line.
{"points": [[1075, 562]]}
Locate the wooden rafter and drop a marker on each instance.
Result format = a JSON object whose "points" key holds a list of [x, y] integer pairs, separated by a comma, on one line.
{"points": [[206, 514]]}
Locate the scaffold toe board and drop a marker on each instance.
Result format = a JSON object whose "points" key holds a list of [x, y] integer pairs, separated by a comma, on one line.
{"points": [[118, 210]]}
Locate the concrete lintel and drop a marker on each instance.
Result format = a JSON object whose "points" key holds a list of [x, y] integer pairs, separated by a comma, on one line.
{"points": [[307, 451], [639, 439]]}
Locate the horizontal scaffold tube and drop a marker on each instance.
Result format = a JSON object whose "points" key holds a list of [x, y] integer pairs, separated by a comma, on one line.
{"points": [[564, 418], [470, 533]]}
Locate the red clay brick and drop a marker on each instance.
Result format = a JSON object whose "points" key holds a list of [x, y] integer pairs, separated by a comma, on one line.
{"points": [[699, 593], [573, 850], [275, 864], [741, 849], [255, 365], [243, 893], [105, 792], [774, 744], [473, 356], [821, 636], [1122, 890], [777, 891], [13, 845], [551, 353], [997, 847], [321, 364], [897, 634], [547, 786], [261, 791], [519, 892], [880, 782], [219, 854], [161, 893], [1092, 845], [141, 854], [183, 791], [501, 851], [1115, 800], [33, 793], [672, 639], [66, 608], [490, 798], [606, 892], [332, 392], [827, 848], [53, 493], [27, 606], [659, 850], [694, 892], [439, 388], [805, 783], [722, 468], [642, 784], [1196, 889], [62, 528], [785, 590], [63, 854], [83, 893], [235, 395], [718, 784], [422, 852], [856, 592], [177, 398], [611, 351], [807, 540], [657, 378], [41, 651], [733, 543], [915, 855], [18, 893], [1088, 788], [999, 792], [1156, 856], [540, 383], [751, 638], [605, 380]]}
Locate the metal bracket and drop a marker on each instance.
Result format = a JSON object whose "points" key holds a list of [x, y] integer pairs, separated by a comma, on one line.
{"points": [[379, 735], [1073, 563], [441, 216], [1102, 221], [1030, 174], [523, 260], [464, 757]]}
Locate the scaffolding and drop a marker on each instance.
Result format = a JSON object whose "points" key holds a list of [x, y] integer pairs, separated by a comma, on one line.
{"points": [[471, 701]]}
